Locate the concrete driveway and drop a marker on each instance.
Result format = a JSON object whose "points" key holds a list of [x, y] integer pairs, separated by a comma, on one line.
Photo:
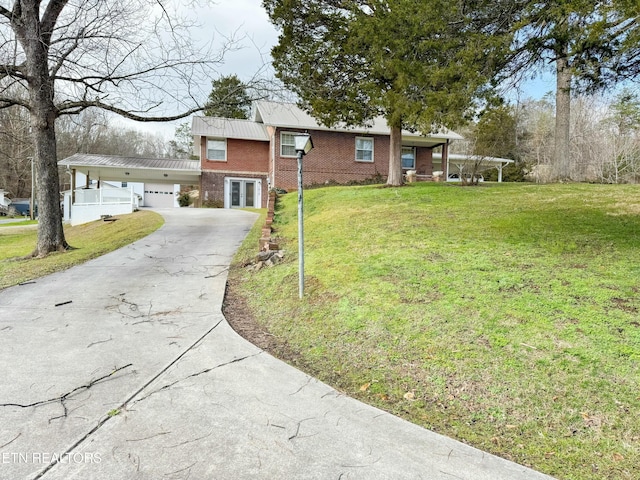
{"points": [[124, 368]]}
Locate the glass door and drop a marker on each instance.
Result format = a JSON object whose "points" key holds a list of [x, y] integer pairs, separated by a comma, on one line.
{"points": [[243, 193], [235, 194]]}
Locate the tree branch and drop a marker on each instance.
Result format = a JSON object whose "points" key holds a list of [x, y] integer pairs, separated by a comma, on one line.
{"points": [[49, 19], [69, 108], [5, 13], [7, 102]]}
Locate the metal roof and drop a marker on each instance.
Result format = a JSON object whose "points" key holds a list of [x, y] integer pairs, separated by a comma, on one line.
{"points": [[83, 159], [229, 128], [288, 115], [134, 169], [463, 158]]}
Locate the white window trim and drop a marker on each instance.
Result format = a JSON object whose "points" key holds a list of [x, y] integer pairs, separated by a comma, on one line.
{"points": [[372, 149], [207, 149], [287, 133], [415, 154]]}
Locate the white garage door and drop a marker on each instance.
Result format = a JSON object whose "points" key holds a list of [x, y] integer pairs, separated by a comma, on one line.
{"points": [[158, 195]]}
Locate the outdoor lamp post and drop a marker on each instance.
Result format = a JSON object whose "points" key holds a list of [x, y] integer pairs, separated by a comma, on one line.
{"points": [[303, 145]]}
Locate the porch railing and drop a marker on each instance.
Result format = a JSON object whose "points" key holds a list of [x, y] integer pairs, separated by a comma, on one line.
{"points": [[105, 196]]}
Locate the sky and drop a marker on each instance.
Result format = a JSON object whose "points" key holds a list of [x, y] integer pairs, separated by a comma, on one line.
{"points": [[244, 19], [248, 19]]}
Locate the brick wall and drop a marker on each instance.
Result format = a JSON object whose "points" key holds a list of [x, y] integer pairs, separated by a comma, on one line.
{"points": [[242, 156], [245, 159], [212, 185], [424, 161], [332, 159]]}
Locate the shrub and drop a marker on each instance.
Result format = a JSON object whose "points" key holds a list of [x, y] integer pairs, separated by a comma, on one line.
{"points": [[514, 172], [184, 199]]}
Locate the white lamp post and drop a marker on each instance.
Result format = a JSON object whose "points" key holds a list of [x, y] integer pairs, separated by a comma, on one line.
{"points": [[303, 145]]}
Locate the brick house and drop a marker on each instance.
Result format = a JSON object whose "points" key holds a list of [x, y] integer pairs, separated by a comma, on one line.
{"points": [[242, 159]]}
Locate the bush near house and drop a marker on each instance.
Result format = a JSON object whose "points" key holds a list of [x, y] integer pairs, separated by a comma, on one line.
{"points": [[184, 199], [513, 172]]}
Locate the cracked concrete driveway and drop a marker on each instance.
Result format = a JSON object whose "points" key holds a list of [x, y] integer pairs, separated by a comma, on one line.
{"points": [[124, 368]]}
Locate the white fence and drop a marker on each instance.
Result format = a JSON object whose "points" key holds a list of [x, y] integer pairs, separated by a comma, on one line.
{"points": [[92, 203], [104, 196]]}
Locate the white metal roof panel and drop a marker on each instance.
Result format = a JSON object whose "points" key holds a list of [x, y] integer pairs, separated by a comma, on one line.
{"points": [[86, 160], [229, 128]]}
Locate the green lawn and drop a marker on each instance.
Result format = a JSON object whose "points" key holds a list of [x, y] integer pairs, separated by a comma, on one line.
{"points": [[506, 316], [88, 241]]}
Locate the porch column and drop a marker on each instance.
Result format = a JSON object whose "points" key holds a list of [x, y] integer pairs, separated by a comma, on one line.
{"points": [[73, 187], [445, 159], [500, 173]]}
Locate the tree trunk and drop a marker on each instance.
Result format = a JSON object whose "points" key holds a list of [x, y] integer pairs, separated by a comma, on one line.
{"points": [[43, 117], [395, 157], [50, 231], [562, 151]]}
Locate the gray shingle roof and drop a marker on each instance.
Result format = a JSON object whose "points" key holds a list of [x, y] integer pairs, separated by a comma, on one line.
{"points": [[229, 128]]}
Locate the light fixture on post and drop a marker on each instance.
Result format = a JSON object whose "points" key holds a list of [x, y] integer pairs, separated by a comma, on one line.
{"points": [[303, 145]]}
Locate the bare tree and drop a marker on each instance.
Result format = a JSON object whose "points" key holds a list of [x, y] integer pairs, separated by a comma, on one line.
{"points": [[131, 57], [15, 152], [469, 169]]}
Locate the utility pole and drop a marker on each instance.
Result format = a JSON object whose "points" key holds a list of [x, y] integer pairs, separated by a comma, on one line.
{"points": [[32, 205]]}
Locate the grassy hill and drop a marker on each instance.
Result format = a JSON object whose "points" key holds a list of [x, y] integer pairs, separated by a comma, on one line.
{"points": [[506, 316]]}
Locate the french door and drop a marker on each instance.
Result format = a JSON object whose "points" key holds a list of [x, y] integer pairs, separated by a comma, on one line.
{"points": [[242, 193]]}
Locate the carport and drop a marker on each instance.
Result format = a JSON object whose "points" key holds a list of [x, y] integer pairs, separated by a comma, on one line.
{"points": [[157, 174], [465, 163]]}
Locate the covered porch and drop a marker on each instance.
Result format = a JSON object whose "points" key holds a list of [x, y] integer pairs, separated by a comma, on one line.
{"points": [[97, 196], [462, 164]]}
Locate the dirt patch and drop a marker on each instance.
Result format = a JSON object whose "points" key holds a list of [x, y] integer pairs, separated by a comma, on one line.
{"points": [[242, 320], [623, 304]]}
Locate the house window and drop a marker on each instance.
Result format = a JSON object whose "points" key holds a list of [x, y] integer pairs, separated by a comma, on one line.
{"points": [[216, 150], [364, 149], [408, 158], [124, 185], [287, 144]]}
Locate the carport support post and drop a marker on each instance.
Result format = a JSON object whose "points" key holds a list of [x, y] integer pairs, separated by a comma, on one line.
{"points": [[300, 228]]}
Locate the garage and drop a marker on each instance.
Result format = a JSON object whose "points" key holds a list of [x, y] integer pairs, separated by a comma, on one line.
{"points": [[158, 195]]}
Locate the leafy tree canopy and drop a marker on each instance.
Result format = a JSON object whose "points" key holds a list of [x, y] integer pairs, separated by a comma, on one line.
{"points": [[600, 39], [496, 133], [228, 98], [626, 111], [420, 64], [593, 44]]}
